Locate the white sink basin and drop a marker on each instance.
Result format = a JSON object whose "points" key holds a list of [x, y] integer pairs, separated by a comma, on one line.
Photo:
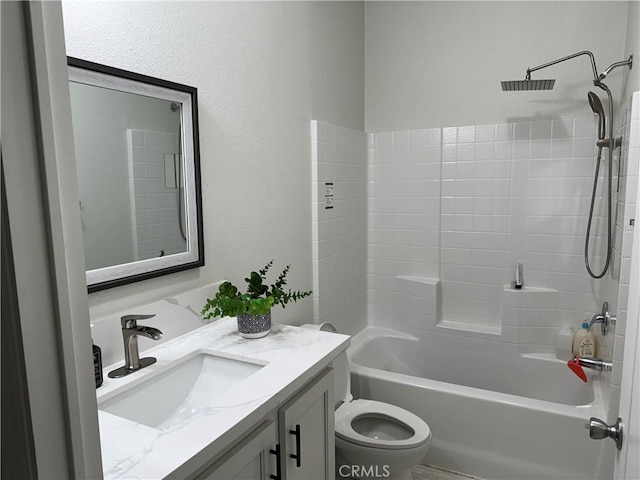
{"points": [[180, 392]]}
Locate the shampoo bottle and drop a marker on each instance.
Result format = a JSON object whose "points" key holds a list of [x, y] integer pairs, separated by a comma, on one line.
{"points": [[584, 342], [564, 343]]}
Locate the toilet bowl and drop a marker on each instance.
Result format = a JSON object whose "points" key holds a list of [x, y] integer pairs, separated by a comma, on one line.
{"points": [[373, 439], [386, 438]]}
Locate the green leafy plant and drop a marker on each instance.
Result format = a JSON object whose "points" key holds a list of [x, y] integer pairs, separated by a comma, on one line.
{"points": [[257, 300]]}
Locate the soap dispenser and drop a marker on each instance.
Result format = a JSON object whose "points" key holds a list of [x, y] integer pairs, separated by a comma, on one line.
{"points": [[97, 363], [584, 342]]}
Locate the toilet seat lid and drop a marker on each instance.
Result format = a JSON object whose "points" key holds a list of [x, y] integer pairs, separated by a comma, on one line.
{"points": [[350, 411]]}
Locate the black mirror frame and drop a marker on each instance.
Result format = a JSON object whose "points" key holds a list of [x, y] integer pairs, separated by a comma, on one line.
{"points": [[193, 93]]}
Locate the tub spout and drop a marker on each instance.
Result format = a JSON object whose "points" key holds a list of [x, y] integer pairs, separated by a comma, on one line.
{"points": [[576, 365], [595, 364]]}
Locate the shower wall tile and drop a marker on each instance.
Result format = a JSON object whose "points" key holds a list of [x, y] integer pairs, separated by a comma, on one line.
{"points": [[154, 206], [515, 192], [403, 220], [549, 222], [340, 233], [474, 226]]}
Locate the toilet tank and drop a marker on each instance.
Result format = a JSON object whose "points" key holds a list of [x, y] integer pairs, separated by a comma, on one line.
{"points": [[341, 368], [342, 379]]}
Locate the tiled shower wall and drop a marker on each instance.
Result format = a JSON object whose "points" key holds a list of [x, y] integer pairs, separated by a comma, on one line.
{"points": [[404, 226], [154, 204], [510, 192], [517, 192], [339, 209], [475, 222], [449, 212]]}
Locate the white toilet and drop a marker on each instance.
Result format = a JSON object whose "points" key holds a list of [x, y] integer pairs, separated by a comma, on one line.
{"points": [[373, 439]]}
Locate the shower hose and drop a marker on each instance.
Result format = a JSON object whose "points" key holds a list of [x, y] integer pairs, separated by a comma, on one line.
{"points": [[609, 196]]}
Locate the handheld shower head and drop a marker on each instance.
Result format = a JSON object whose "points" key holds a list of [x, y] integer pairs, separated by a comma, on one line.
{"points": [[596, 106]]}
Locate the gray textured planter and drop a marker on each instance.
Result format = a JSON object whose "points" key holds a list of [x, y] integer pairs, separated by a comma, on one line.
{"points": [[254, 326]]}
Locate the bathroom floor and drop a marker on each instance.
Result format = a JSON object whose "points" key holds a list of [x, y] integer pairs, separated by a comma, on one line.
{"points": [[428, 472]]}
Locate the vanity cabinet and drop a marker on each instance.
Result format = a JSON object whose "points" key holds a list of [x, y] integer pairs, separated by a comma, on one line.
{"points": [[307, 432], [295, 442], [250, 459]]}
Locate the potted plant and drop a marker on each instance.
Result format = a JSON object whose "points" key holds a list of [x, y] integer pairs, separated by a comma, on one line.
{"points": [[253, 308]]}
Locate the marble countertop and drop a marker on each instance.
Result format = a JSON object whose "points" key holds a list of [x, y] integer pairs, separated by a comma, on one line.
{"points": [[293, 356]]}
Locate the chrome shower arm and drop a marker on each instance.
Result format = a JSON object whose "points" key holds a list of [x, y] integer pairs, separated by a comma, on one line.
{"points": [[596, 79], [624, 63]]}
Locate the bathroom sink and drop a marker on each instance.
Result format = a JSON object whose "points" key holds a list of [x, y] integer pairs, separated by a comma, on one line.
{"points": [[180, 392]]}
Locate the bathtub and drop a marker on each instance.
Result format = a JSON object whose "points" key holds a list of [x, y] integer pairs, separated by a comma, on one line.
{"points": [[494, 412]]}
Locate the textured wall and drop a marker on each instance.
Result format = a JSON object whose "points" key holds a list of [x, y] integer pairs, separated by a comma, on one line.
{"points": [[631, 81], [431, 64], [262, 70]]}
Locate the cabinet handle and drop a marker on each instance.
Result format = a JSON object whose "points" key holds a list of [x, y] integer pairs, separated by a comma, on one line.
{"points": [[297, 456], [276, 452]]}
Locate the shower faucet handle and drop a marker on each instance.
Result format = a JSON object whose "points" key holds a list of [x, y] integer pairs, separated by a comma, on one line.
{"points": [[604, 318]]}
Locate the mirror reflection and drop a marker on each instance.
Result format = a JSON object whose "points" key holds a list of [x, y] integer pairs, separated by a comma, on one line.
{"points": [[136, 173], [129, 164]]}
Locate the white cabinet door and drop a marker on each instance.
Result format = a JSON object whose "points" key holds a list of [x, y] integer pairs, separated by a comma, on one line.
{"points": [[252, 459], [306, 431]]}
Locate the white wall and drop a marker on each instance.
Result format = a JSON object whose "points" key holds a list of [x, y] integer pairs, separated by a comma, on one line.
{"points": [[432, 64], [631, 80], [262, 70]]}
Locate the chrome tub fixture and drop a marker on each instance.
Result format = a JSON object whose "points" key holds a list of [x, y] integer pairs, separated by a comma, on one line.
{"points": [[604, 318], [609, 142]]}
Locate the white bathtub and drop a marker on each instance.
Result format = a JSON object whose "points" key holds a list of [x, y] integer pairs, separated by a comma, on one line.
{"points": [[493, 412]]}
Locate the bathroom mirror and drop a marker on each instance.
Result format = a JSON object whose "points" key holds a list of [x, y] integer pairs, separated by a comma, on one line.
{"points": [[136, 143]]}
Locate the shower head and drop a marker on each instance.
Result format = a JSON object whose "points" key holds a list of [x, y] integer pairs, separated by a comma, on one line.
{"points": [[526, 85], [596, 106]]}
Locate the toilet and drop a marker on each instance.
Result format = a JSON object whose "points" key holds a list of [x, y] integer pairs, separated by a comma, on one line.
{"points": [[373, 439]]}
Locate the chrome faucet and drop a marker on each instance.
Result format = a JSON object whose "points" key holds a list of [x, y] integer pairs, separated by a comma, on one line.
{"points": [[130, 333], [604, 318]]}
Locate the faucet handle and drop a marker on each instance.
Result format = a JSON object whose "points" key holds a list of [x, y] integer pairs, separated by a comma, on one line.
{"points": [[130, 321]]}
